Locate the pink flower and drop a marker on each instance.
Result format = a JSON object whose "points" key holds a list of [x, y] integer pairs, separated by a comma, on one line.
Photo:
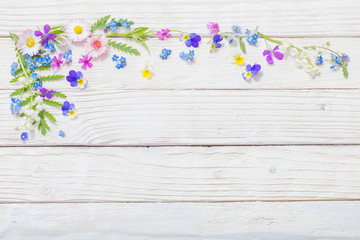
{"points": [[57, 61], [97, 45], [165, 33], [86, 62], [214, 27]]}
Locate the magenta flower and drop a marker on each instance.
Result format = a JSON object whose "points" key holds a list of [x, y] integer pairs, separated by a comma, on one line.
{"points": [[46, 36], [213, 27], [86, 62], [57, 61], [165, 33], [275, 51], [46, 93]]}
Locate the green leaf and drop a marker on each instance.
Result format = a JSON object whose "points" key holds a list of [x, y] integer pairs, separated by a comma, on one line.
{"points": [[28, 100], [344, 69], [242, 45], [43, 68], [15, 79], [100, 23], [51, 78], [124, 48], [49, 116], [144, 45], [52, 103], [14, 37], [43, 126], [59, 95], [19, 91]]}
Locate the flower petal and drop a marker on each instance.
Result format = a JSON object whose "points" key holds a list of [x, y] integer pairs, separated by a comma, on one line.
{"points": [[279, 55], [269, 59], [47, 28]]}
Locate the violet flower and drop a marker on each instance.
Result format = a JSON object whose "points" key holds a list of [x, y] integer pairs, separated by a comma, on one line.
{"points": [[46, 93], [191, 39], [165, 33], [46, 36], [275, 51], [86, 62], [57, 61], [213, 27]]}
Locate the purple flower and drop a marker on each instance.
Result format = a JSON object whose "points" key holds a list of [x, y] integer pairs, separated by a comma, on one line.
{"points": [[275, 51], [191, 39], [68, 109], [345, 58], [251, 71], [46, 36], [76, 79], [46, 93], [216, 42], [164, 33]]}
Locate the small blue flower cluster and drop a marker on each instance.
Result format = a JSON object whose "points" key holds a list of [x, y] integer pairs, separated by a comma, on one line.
{"points": [[36, 85], [68, 56], [236, 30], [251, 38], [15, 106], [14, 67], [121, 62], [319, 60], [165, 53], [62, 133], [50, 46], [45, 61], [114, 25], [188, 57], [125, 24]]}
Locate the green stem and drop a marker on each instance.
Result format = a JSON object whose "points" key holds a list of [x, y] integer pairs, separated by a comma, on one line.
{"points": [[328, 49], [269, 39], [26, 76]]}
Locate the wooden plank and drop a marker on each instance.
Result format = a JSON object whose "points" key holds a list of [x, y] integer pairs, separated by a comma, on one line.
{"points": [[179, 174], [220, 221], [301, 18], [109, 117], [210, 71]]}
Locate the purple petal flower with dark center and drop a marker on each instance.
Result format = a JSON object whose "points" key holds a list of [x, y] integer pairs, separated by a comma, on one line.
{"points": [[275, 51], [192, 40], [46, 36]]}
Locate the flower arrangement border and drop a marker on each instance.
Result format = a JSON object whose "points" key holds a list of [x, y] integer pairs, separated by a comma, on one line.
{"points": [[33, 49]]}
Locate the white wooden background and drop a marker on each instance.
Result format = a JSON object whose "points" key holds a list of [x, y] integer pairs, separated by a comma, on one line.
{"points": [[195, 152]]}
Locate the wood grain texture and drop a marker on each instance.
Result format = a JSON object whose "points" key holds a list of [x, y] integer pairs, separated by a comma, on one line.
{"points": [[179, 174], [278, 17], [210, 71], [194, 117], [180, 221]]}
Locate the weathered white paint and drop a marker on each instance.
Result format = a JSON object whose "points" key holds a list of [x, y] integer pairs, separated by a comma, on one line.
{"points": [[179, 174], [144, 221], [276, 17], [121, 108]]}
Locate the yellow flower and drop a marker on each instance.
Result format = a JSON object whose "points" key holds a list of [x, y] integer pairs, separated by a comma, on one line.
{"points": [[238, 59], [146, 72]]}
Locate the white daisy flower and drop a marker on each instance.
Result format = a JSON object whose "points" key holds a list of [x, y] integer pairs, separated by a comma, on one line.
{"points": [[77, 30], [28, 43]]}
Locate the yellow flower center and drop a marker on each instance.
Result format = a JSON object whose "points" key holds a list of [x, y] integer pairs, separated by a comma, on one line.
{"points": [[81, 82], [248, 74], [239, 60], [30, 42], [72, 112], [186, 36], [212, 48], [146, 74], [78, 29]]}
